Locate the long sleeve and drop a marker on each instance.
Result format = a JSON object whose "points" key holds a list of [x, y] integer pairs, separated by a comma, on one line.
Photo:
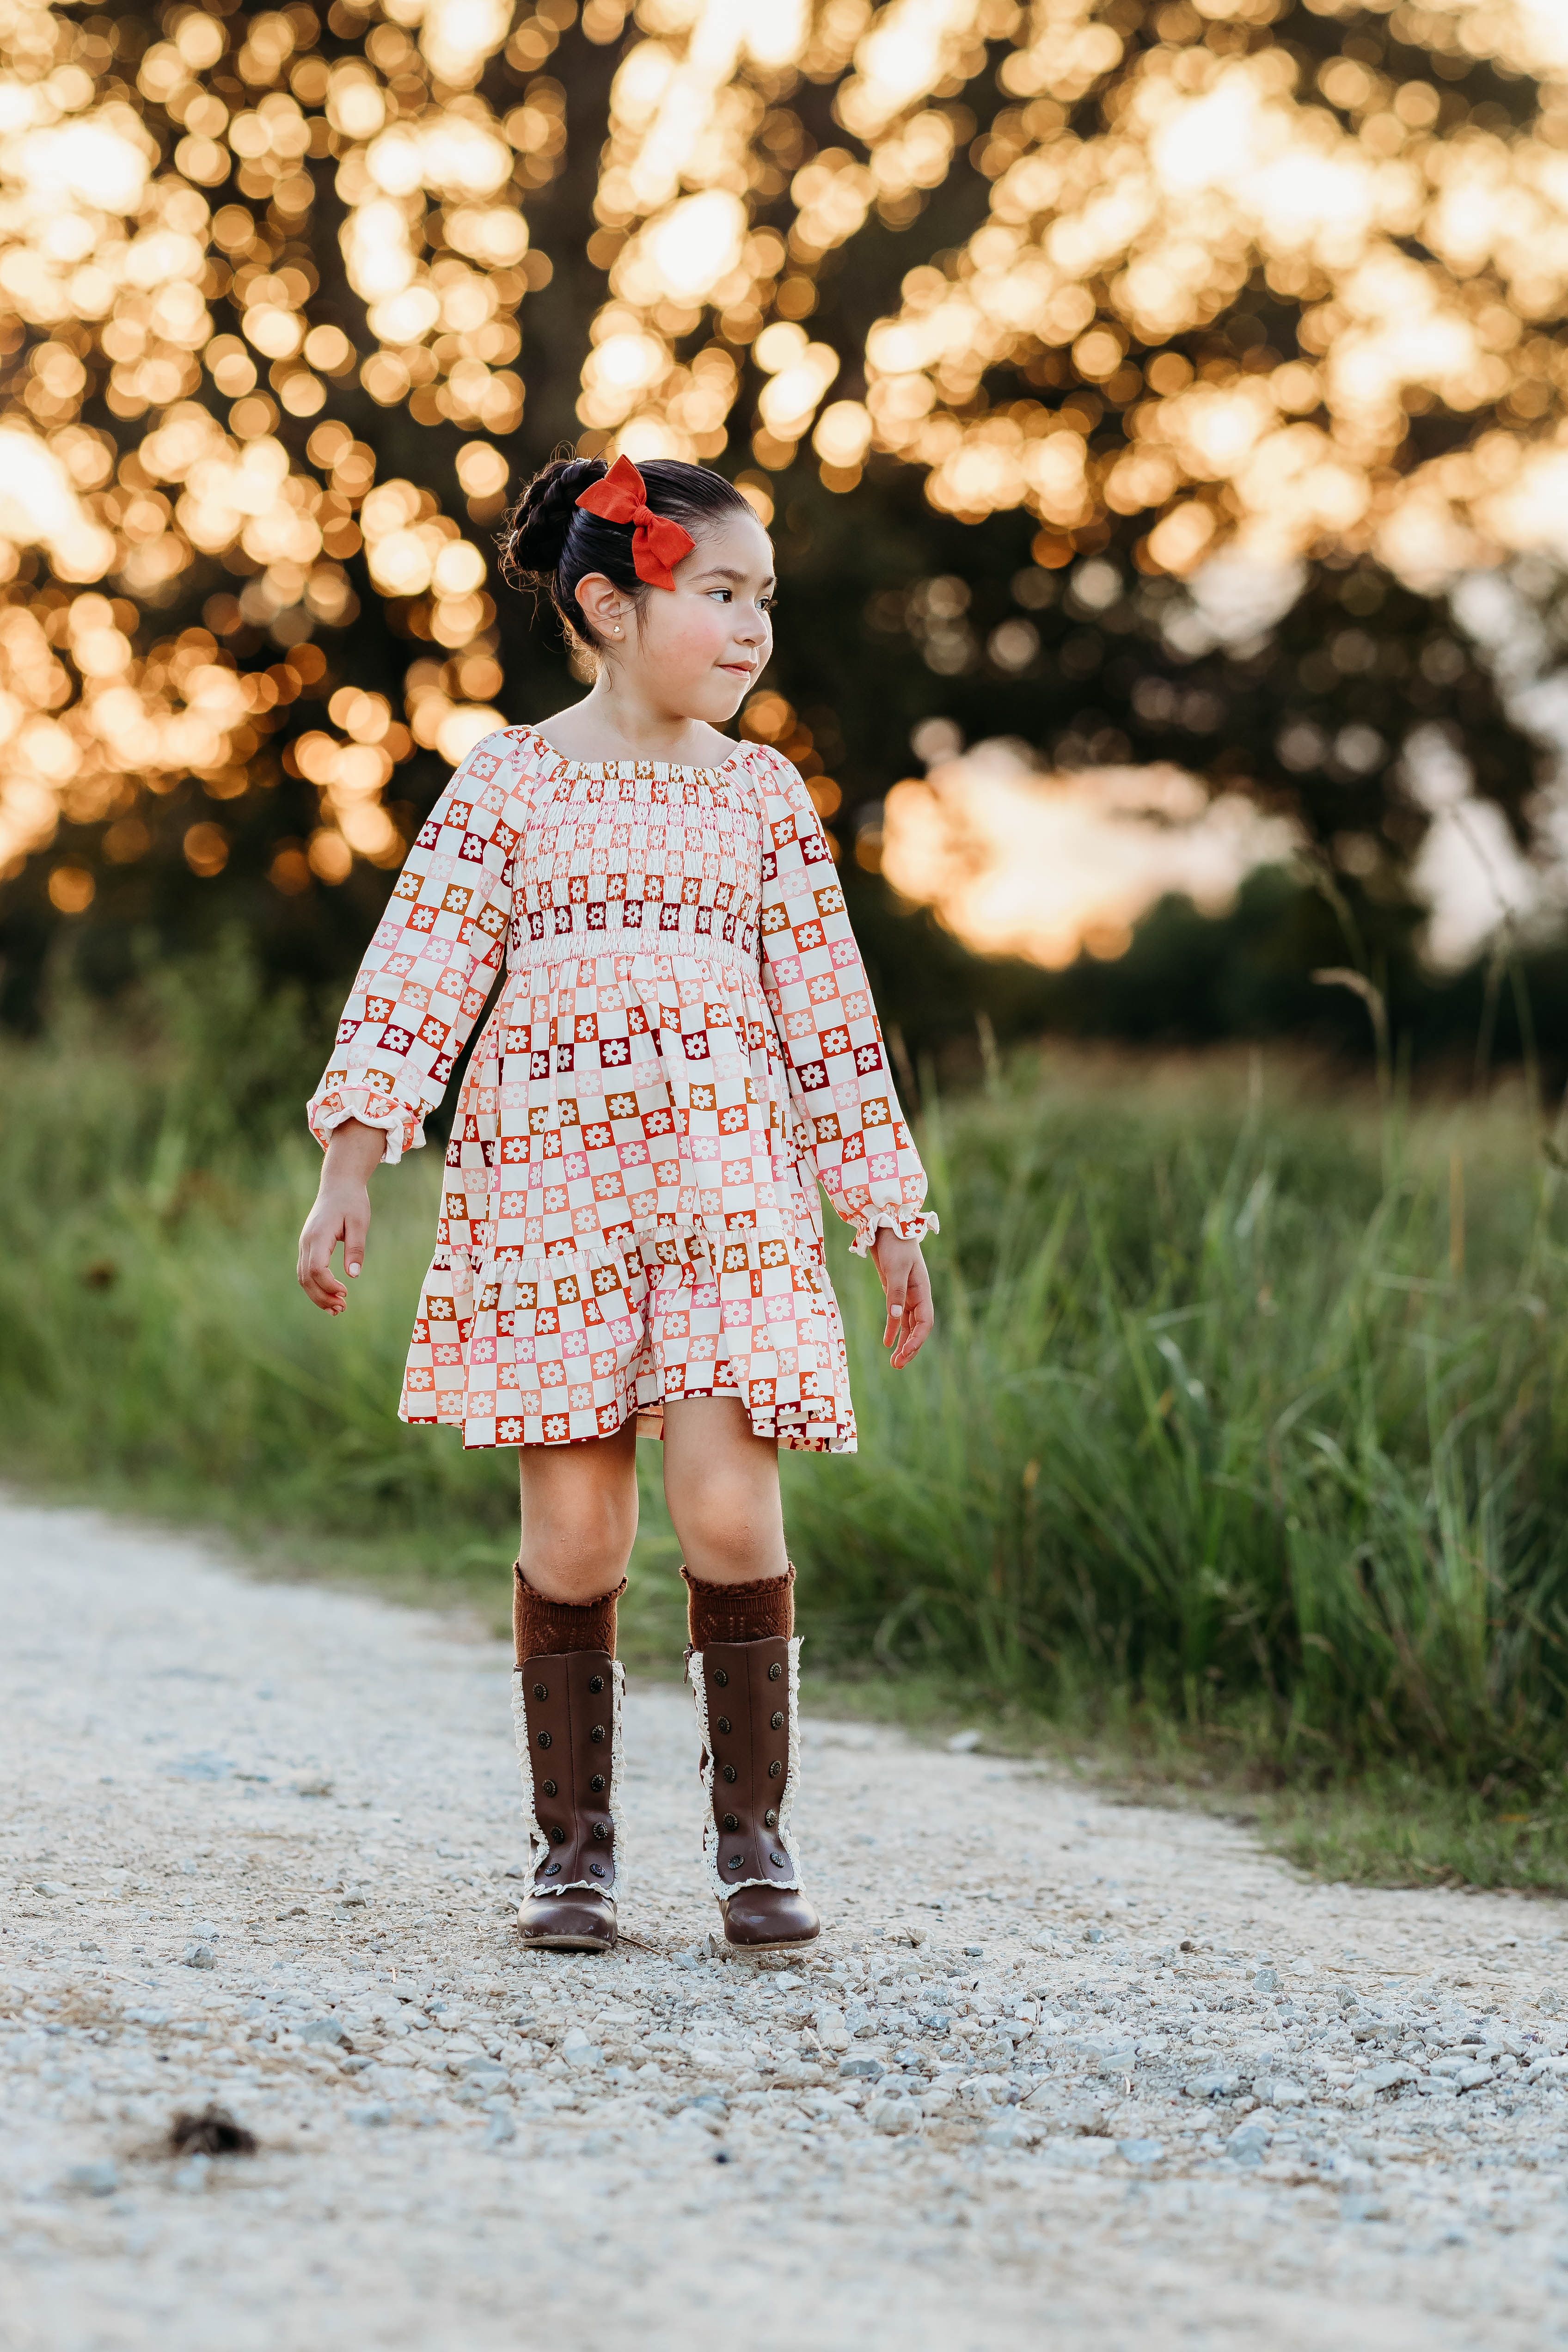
{"points": [[429, 968], [816, 989]]}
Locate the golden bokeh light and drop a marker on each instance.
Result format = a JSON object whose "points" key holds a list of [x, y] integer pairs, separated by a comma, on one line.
{"points": [[1045, 867], [116, 240], [221, 228], [1216, 167], [71, 889]]}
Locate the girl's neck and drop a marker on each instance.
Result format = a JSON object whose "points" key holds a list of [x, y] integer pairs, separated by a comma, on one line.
{"points": [[614, 721]]}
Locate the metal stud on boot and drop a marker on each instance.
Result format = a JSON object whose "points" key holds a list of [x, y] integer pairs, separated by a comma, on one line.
{"points": [[567, 1711], [747, 1695]]}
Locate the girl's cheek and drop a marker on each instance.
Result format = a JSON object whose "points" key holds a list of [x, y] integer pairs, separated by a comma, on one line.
{"points": [[696, 632], [695, 637]]}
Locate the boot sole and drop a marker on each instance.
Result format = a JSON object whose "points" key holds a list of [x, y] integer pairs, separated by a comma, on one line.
{"points": [[796, 1944], [784, 1943], [567, 1943]]}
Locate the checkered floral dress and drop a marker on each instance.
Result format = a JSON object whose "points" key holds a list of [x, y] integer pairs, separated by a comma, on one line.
{"points": [[683, 1043]]}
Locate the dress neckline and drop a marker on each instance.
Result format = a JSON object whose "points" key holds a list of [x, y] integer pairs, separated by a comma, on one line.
{"points": [[619, 767]]}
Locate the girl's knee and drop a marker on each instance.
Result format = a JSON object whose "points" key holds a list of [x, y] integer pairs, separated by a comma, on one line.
{"points": [[597, 1523], [583, 1525], [729, 1529]]}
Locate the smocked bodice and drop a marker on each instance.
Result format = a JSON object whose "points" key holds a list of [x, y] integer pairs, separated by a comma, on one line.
{"points": [[634, 858]]}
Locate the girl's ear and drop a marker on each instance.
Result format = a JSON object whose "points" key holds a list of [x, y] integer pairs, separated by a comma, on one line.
{"points": [[606, 609]]}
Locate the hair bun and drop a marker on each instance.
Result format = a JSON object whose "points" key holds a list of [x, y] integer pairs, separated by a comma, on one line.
{"points": [[534, 532]]}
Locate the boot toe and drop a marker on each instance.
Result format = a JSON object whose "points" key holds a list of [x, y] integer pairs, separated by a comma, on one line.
{"points": [[576, 1921], [764, 1918]]}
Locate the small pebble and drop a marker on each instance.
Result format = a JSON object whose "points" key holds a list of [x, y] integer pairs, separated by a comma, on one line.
{"points": [[100, 2179]]}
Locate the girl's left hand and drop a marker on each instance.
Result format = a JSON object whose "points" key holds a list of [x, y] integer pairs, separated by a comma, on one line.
{"points": [[911, 1314]]}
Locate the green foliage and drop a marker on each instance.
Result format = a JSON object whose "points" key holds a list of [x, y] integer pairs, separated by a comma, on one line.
{"points": [[1243, 1420], [1219, 1429], [1395, 1827]]}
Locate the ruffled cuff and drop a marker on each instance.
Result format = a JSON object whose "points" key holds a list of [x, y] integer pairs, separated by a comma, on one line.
{"points": [[402, 1128], [909, 1225]]}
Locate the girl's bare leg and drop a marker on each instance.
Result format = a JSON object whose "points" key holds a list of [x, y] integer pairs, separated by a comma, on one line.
{"points": [[579, 1515], [721, 1484]]}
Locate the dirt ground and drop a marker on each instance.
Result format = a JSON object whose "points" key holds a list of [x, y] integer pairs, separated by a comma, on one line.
{"points": [[1061, 2070]]}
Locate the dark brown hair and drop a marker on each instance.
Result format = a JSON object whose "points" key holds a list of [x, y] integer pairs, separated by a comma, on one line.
{"points": [[549, 542]]}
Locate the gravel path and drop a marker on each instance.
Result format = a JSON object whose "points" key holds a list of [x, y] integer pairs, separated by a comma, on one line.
{"points": [[1060, 2065]]}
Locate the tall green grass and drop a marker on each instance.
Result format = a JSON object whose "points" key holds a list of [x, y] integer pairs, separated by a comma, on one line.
{"points": [[153, 1344], [1244, 1416]]}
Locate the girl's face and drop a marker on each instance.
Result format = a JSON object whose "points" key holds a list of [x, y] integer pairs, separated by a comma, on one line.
{"points": [[697, 649]]}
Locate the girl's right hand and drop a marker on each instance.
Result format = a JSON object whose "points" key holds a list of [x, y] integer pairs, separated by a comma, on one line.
{"points": [[341, 1214]]}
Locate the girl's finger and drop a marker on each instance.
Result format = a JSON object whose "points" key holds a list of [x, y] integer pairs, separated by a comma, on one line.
{"points": [[919, 1317], [318, 1281], [897, 1289], [355, 1231]]}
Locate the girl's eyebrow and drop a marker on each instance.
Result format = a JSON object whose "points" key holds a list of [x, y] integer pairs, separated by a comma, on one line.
{"points": [[724, 571]]}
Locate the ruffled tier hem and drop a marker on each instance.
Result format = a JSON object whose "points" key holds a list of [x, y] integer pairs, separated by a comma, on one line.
{"points": [[795, 1436], [504, 1268], [557, 1349]]}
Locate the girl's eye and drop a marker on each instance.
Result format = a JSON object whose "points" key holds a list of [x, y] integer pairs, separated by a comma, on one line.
{"points": [[724, 593]]}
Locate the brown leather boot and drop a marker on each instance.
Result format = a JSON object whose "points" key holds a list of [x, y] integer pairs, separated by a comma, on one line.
{"points": [[747, 1695], [567, 1710]]}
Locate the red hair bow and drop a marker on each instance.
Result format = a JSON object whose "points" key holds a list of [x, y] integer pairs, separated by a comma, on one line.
{"points": [[657, 543]]}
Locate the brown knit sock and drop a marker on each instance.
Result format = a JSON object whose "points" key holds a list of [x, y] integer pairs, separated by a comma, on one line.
{"points": [[545, 1629], [740, 1612]]}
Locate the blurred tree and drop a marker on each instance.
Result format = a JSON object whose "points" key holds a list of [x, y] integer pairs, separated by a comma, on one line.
{"points": [[293, 303]]}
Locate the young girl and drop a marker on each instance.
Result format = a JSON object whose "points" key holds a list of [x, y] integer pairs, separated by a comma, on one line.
{"points": [[683, 1046]]}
